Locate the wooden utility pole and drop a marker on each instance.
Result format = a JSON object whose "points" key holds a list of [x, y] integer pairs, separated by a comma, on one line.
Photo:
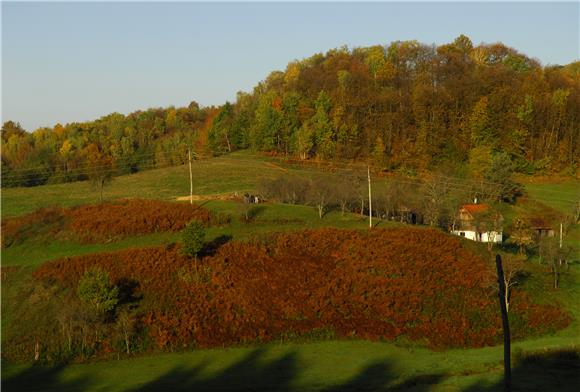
{"points": [[190, 177], [506, 325], [560, 252], [370, 199]]}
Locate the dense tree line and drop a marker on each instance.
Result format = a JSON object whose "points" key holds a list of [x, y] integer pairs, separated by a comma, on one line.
{"points": [[406, 106], [112, 145], [409, 105]]}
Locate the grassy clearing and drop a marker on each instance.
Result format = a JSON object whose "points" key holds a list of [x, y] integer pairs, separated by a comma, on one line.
{"points": [[212, 176], [560, 196]]}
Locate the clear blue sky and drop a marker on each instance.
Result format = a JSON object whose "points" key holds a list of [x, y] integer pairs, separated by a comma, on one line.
{"points": [[65, 62]]}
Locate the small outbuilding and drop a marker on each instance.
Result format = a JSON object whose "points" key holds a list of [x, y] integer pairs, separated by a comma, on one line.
{"points": [[541, 228]]}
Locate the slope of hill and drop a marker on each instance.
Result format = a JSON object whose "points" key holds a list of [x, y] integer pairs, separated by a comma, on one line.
{"points": [[405, 106]]}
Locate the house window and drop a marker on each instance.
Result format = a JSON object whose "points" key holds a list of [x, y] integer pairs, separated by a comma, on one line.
{"points": [[462, 234]]}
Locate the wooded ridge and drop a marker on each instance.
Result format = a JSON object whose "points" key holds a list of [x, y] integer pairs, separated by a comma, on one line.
{"points": [[405, 106]]}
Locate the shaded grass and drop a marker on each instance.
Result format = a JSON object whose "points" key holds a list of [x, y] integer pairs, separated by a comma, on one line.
{"points": [[323, 366]]}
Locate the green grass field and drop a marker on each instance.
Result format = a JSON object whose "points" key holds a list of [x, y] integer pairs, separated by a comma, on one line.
{"points": [[292, 366], [560, 196]]}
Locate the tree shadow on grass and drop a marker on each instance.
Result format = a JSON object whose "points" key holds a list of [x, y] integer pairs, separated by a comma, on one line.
{"points": [[379, 376], [555, 371], [42, 378], [551, 371], [253, 373]]}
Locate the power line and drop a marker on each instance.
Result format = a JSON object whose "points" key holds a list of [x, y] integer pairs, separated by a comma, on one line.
{"points": [[124, 160]]}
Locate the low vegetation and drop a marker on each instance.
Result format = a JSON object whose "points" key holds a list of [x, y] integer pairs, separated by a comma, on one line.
{"points": [[383, 284], [104, 222]]}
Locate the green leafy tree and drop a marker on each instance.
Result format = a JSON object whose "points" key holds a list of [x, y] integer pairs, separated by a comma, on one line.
{"points": [[303, 140], [100, 170], [192, 238], [96, 290], [219, 137], [500, 174], [482, 133], [521, 235], [323, 129]]}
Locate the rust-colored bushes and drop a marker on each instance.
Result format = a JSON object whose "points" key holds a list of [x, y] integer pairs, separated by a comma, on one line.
{"points": [[377, 285], [98, 222], [105, 222], [44, 221]]}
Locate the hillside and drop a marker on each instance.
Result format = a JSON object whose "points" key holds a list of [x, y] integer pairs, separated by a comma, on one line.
{"points": [[43, 268], [345, 284], [405, 106]]}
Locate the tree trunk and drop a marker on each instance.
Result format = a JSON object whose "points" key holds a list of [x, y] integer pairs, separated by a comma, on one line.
{"points": [[228, 142], [36, 351], [127, 341]]}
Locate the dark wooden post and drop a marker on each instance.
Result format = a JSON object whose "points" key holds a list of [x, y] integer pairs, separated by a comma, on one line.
{"points": [[506, 325]]}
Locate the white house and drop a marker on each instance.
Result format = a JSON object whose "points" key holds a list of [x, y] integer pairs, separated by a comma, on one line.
{"points": [[478, 222]]}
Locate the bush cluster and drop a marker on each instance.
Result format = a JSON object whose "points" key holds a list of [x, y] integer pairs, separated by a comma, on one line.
{"points": [[105, 222], [381, 284]]}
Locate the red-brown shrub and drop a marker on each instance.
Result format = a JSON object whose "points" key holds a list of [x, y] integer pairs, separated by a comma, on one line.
{"points": [[98, 222], [104, 222], [380, 284], [42, 221]]}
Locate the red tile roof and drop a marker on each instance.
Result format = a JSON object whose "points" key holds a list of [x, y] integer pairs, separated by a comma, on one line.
{"points": [[475, 208]]}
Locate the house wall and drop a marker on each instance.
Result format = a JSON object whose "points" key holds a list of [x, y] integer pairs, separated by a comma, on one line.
{"points": [[493, 236]]}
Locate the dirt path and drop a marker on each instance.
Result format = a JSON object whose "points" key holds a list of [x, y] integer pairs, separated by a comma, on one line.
{"points": [[222, 196]]}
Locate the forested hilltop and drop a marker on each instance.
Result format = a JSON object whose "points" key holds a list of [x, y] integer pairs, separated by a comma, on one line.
{"points": [[406, 106]]}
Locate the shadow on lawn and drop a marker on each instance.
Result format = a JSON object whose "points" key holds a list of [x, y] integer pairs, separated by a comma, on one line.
{"points": [[253, 373], [41, 378], [538, 372], [550, 371]]}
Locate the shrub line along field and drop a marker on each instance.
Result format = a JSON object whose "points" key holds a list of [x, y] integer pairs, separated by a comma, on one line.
{"points": [[235, 263]]}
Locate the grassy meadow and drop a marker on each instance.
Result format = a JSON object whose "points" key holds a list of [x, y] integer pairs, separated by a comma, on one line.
{"points": [[323, 365]]}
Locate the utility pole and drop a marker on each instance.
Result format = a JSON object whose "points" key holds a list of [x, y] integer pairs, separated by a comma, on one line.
{"points": [[560, 252], [370, 199], [506, 325], [190, 177]]}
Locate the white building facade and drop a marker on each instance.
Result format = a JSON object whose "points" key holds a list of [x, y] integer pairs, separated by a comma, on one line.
{"points": [[478, 222], [492, 236]]}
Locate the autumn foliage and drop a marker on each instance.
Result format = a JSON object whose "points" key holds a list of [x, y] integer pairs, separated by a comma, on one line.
{"points": [[381, 284], [104, 222]]}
